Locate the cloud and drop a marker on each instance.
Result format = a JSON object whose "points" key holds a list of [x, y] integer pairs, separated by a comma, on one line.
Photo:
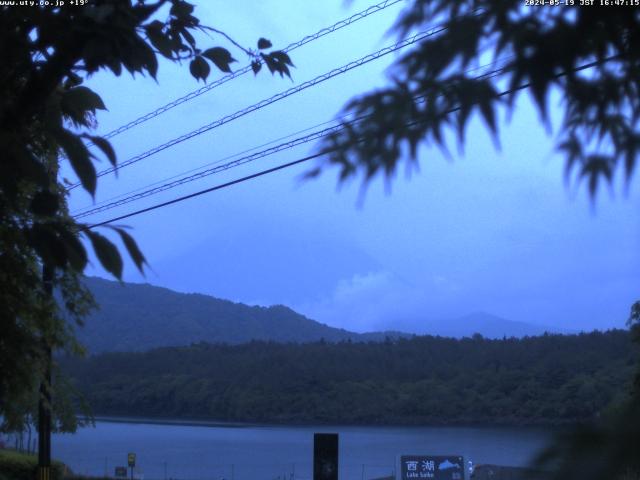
{"points": [[381, 300], [362, 286]]}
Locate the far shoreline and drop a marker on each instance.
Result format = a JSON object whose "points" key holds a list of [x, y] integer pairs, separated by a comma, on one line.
{"points": [[212, 423]]}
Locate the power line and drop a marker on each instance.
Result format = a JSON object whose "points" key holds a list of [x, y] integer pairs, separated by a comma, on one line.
{"points": [[132, 196], [217, 169], [275, 98], [83, 210], [196, 93], [208, 190], [318, 154]]}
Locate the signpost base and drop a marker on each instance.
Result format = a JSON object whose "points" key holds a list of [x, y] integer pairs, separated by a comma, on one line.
{"points": [[44, 473]]}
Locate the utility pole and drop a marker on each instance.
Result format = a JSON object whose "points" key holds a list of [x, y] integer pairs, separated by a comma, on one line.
{"points": [[45, 407], [44, 400]]}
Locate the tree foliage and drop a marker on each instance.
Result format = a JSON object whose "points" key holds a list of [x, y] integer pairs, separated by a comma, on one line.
{"points": [[46, 115], [606, 449], [586, 54], [550, 380]]}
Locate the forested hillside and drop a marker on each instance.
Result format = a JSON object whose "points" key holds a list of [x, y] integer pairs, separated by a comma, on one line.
{"points": [[551, 379], [136, 317]]}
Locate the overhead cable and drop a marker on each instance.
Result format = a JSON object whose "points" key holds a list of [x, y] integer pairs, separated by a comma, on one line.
{"points": [[244, 152], [210, 171], [275, 98], [316, 155], [159, 187], [208, 190], [246, 69]]}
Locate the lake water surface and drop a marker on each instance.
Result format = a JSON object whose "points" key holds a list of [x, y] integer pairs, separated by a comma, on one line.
{"points": [[180, 451]]}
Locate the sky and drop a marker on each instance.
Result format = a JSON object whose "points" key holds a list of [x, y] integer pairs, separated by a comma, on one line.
{"points": [[489, 230]]}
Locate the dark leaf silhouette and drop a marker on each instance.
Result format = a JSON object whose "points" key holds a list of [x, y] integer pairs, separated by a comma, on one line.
{"points": [[532, 54], [78, 101], [76, 253], [199, 68], [104, 145], [221, 58], [78, 155], [133, 249], [45, 203], [44, 239], [263, 43], [277, 62], [159, 39], [46, 116], [106, 252]]}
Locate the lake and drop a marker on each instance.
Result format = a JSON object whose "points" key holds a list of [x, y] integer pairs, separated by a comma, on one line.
{"points": [[237, 452]]}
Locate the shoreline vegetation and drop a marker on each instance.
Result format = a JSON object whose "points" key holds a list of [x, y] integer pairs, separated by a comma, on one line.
{"points": [[16, 465], [550, 380]]}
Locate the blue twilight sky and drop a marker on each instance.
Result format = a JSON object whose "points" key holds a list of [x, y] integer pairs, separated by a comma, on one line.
{"points": [[493, 231]]}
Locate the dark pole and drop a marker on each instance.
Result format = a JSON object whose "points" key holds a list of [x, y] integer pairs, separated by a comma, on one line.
{"points": [[325, 456], [44, 401]]}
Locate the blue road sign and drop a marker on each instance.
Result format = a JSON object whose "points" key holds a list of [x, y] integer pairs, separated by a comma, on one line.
{"points": [[431, 467]]}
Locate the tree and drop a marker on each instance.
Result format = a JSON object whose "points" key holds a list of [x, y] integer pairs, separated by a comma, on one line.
{"points": [[608, 449], [69, 410], [587, 54], [47, 115]]}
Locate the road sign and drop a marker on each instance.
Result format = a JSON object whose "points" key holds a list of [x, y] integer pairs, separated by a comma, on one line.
{"points": [[131, 459], [121, 472], [431, 467]]}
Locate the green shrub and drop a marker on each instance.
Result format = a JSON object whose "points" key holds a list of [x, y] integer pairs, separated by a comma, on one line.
{"points": [[21, 466]]}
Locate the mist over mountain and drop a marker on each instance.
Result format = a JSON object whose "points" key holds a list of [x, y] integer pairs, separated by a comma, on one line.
{"points": [[136, 317]]}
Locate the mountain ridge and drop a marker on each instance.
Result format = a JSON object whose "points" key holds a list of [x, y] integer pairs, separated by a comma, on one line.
{"points": [[488, 325], [134, 317], [140, 316]]}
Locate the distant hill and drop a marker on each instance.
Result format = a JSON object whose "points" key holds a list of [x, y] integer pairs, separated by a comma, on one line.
{"points": [[488, 325], [136, 317]]}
